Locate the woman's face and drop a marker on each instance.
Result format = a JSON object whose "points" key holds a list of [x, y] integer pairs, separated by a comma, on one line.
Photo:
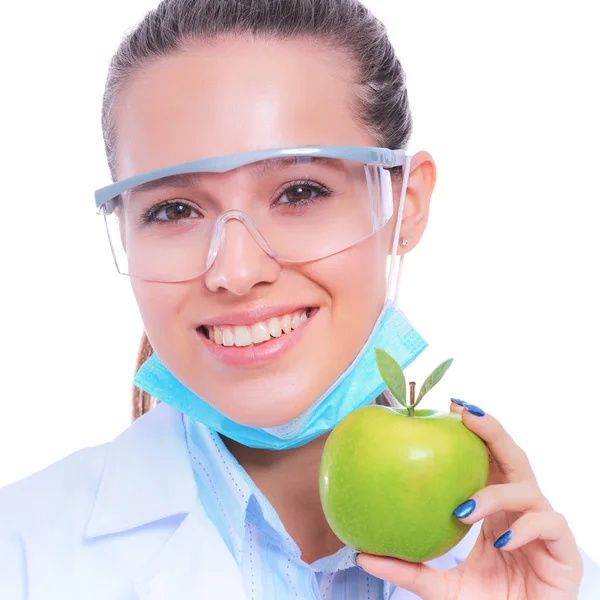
{"points": [[230, 96]]}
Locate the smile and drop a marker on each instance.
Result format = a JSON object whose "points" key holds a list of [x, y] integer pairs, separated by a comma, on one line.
{"points": [[257, 333]]}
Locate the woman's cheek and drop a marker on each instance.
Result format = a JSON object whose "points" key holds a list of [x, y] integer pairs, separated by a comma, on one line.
{"points": [[160, 306], [355, 280]]}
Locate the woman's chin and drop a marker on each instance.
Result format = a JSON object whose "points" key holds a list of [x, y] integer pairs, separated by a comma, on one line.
{"points": [[265, 416]]}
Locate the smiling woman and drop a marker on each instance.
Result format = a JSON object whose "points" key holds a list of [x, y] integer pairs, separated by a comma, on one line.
{"points": [[328, 246], [261, 183]]}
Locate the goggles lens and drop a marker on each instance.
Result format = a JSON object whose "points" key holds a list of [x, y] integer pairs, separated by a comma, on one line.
{"points": [[297, 208]]}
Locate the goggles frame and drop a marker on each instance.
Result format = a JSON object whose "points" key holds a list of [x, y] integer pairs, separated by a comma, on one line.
{"points": [[368, 155], [383, 157]]}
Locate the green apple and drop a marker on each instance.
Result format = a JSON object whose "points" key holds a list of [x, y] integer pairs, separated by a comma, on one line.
{"points": [[390, 477]]}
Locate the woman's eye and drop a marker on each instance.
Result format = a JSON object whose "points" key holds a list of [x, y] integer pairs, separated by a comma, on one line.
{"points": [[301, 194], [298, 193], [175, 212]]}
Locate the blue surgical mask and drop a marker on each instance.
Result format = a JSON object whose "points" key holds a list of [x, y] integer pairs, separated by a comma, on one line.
{"points": [[357, 386]]}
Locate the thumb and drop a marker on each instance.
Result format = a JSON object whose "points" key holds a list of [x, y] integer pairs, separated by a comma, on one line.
{"points": [[420, 579]]}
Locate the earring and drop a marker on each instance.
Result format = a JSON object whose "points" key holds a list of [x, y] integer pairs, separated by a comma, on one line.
{"points": [[403, 243]]}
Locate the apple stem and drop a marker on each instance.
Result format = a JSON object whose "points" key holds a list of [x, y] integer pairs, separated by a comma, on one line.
{"points": [[411, 410]]}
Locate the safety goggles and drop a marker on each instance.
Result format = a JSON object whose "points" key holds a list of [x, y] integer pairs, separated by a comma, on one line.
{"points": [[299, 204]]}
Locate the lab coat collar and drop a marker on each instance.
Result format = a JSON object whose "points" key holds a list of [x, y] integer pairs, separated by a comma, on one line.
{"points": [[194, 563], [148, 457]]}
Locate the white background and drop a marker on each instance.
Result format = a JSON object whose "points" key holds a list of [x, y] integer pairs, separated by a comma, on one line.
{"points": [[505, 97]]}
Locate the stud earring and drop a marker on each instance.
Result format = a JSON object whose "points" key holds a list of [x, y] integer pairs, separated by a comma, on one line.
{"points": [[403, 243]]}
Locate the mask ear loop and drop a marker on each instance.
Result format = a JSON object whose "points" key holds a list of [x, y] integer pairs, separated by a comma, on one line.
{"points": [[396, 262]]}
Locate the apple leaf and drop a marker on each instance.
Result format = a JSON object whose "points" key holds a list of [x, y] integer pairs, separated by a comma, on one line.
{"points": [[392, 375], [434, 378]]}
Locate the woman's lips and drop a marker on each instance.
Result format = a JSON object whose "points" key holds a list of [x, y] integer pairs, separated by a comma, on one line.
{"points": [[255, 354]]}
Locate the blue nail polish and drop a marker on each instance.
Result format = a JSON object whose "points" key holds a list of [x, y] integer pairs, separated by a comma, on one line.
{"points": [[474, 410], [465, 509], [457, 401], [503, 539], [353, 560]]}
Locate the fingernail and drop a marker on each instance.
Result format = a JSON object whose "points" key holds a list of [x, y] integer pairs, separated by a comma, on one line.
{"points": [[353, 558], [465, 509], [474, 410], [457, 401], [503, 539]]}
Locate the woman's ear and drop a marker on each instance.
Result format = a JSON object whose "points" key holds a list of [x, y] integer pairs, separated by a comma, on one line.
{"points": [[421, 181]]}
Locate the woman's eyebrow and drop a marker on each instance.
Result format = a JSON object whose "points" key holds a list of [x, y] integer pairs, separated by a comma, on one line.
{"points": [[274, 164], [264, 167], [181, 180]]}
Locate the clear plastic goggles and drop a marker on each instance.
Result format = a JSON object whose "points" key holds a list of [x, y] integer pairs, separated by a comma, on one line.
{"points": [[299, 205]]}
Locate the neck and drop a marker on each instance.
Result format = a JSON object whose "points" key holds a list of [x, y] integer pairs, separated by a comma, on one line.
{"points": [[289, 479]]}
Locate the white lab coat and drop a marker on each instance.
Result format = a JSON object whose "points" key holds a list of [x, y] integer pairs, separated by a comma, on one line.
{"points": [[121, 521]]}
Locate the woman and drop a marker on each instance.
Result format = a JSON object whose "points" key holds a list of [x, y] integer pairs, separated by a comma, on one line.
{"points": [[261, 183]]}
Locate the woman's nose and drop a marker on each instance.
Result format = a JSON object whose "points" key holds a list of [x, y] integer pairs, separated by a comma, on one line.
{"points": [[240, 263]]}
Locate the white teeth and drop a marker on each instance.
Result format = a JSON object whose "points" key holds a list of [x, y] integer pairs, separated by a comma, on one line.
{"points": [[274, 326], [241, 335], [260, 333], [228, 339], [286, 323]]}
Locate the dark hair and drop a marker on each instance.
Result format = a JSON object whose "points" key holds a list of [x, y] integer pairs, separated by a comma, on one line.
{"points": [[347, 25]]}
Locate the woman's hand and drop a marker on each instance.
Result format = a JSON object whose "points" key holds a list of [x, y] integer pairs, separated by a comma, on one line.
{"points": [[540, 561]]}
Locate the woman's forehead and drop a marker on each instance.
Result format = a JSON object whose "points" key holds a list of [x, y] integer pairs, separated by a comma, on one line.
{"points": [[232, 96]]}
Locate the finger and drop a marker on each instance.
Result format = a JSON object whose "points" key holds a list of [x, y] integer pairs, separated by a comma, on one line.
{"points": [[549, 526], [510, 458], [420, 579], [455, 408], [509, 497]]}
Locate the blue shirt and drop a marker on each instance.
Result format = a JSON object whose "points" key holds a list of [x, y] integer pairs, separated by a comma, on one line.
{"points": [[268, 557]]}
